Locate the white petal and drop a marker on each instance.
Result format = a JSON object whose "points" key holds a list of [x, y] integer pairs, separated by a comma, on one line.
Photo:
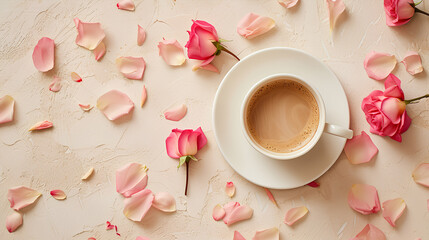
{"points": [[88, 174], [421, 174], [267, 234], [288, 3], [7, 104], [115, 104], [172, 52], [131, 67], [413, 63], [143, 96]]}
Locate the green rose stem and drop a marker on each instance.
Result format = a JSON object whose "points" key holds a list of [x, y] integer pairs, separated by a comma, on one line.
{"points": [[418, 10], [221, 48], [415, 99], [187, 173], [186, 159]]}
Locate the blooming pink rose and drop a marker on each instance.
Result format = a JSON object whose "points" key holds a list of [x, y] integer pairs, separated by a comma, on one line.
{"points": [[398, 12], [201, 37], [385, 111], [185, 142]]}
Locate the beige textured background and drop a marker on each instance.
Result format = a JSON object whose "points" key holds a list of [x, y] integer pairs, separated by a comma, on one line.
{"points": [[56, 158]]}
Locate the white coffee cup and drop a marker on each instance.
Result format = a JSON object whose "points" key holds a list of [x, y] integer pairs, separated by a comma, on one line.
{"points": [[322, 127]]}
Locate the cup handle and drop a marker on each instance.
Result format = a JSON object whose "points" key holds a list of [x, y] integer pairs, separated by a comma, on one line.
{"points": [[338, 131]]}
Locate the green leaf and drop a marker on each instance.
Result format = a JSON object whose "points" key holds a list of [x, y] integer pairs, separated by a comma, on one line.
{"points": [[182, 160], [193, 158]]}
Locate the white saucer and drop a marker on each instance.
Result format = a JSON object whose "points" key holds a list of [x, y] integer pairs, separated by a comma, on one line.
{"points": [[244, 159]]}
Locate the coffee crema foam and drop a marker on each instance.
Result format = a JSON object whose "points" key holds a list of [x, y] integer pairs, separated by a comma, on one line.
{"points": [[282, 116]]}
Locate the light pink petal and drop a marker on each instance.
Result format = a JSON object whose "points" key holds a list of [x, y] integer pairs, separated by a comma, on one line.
{"points": [[370, 232], [55, 85], [187, 143], [360, 149], [335, 8], [172, 145], [88, 174], [235, 213], [75, 77], [136, 207], [379, 65], [58, 194], [176, 113], [288, 3], [205, 64], [126, 5], [218, 212], [143, 97], [295, 214], [131, 67], [238, 236], [142, 238], [253, 25], [20, 197], [44, 54], [230, 189], [89, 35], [270, 196], [413, 63], [164, 201], [421, 174], [99, 51], [363, 198], [210, 67], [13, 221], [172, 52], [41, 126], [7, 104], [393, 108], [141, 35], [115, 104], [131, 178], [86, 107], [267, 234], [393, 209]]}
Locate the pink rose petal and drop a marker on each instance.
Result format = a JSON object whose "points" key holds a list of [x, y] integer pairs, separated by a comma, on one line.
{"points": [[126, 5], [205, 66], [363, 198], [141, 35], [370, 232], [360, 149], [7, 104], [99, 51], [142, 238], [335, 8], [218, 212], [131, 178], [379, 65], [13, 221], [41, 126], [136, 207], [86, 107], [230, 189], [288, 3], [75, 77], [393, 209], [131, 67], [55, 85], [172, 52], [421, 174], [172, 143], [253, 25], [238, 236], [313, 184], [164, 201], [58, 194], [270, 196], [88, 174], [176, 113], [235, 213], [89, 35], [44, 54], [115, 104], [295, 214], [413, 63], [20, 197], [143, 97], [267, 234], [109, 226]]}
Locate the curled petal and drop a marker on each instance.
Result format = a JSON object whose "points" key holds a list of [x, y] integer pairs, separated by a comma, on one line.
{"points": [[172, 52], [363, 198], [205, 64], [89, 35], [86, 107], [20, 197], [230, 189], [7, 104], [58, 194], [115, 104], [379, 65], [413, 63], [267, 234], [131, 178], [131, 67], [141, 35], [238, 236], [421, 174], [109, 226], [234, 212], [370, 232], [172, 145], [126, 5], [253, 25], [99, 51], [360, 149], [218, 212], [295, 214], [336, 8], [44, 54], [164, 202], [393, 209], [13, 221], [88, 174], [143, 97], [41, 125], [55, 85], [393, 108], [270, 196], [176, 113], [75, 77], [136, 207], [288, 3]]}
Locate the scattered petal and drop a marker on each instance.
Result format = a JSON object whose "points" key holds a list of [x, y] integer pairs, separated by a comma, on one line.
{"points": [[270, 196], [131, 178], [238, 236], [58, 194], [20, 197], [230, 189], [288, 3], [75, 77], [88, 174], [7, 104], [141, 35], [41, 125], [115, 104], [99, 51], [295, 214], [172, 52], [131, 67], [109, 226], [55, 85], [144, 96], [92, 238], [176, 113], [379, 65], [44, 54], [336, 8], [206, 66], [89, 35], [253, 25], [360, 149], [13, 221], [393, 209], [370, 232], [126, 5], [235, 213], [421, 174], [413, 63], [136, 207], [164, 202], [363, 198], [142, 238], [267, 234], [86, 107], [313, 184], [218, 212]]}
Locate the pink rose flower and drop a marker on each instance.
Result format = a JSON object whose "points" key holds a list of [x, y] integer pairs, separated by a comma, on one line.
{"points": [[385, 111], [398, 12]]}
